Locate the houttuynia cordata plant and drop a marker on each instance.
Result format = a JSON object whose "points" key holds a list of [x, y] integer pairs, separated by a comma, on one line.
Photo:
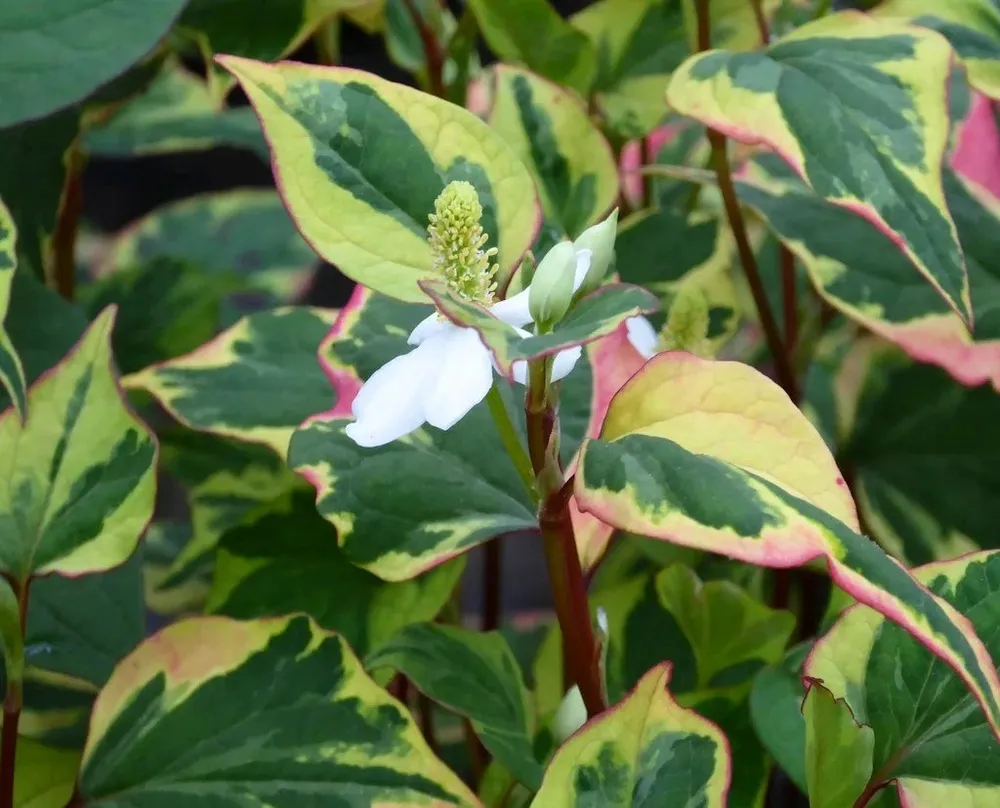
{"points": [[552, 405]]}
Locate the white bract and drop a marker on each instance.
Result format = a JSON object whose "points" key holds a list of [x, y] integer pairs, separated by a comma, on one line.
{"points": [[643, 336], [450, 370]]}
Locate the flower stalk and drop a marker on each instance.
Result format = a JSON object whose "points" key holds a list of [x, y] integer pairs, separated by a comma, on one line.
{"points": [[14, 626]]}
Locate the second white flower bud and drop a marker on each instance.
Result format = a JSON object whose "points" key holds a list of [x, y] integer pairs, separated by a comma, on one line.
{"points": [[551, 290]]}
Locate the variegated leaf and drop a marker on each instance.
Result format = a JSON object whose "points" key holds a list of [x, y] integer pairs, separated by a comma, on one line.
{"points": [[257, 576], [78, 482], [255, 382], [929, 741], [380, 153], [971, 26], [246, 233], [858, 106], [228, 711], [685, 476], [646, 747], [641, 42], [858, 270], [11, 370], [397, 525], [549, 130]]}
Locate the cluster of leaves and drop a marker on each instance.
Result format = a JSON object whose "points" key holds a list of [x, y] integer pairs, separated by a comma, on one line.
{"points": [[787, 582]]}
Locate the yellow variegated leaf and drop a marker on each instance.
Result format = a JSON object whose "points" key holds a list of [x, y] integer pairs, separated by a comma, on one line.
{"points": [[644, 746], [360, 160], [77, 481], [268, 711], [858, 106]]}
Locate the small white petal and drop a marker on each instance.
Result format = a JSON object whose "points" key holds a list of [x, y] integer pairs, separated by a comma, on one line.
{"points": [[565, 362], [582, 267], [463, 376], [390, 404], [428, 327], [642, 336], [514, 310]]}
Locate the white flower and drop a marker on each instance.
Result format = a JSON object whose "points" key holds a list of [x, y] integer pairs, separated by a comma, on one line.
{"points": [[448, 372], [643, 336]]}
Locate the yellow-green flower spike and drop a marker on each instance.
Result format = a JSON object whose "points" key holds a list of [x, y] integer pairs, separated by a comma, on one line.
{"points": [[456, 238], [686, 328]]}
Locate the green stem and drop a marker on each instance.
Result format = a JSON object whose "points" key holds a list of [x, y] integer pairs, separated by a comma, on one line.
{"points": [[327, 40], [581, 651], [512, 441], [758, 13]]}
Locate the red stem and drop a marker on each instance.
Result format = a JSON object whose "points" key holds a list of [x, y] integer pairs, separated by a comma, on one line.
{"points": [[569, 589], [789, 298], [492, 584], [782, 359], [432, 49], [67, 225], [12, 704], [758, 13]]}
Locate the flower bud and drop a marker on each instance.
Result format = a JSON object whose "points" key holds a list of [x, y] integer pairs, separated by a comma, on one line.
{"points": [[551, 290], [687, 323], [600, 240]]}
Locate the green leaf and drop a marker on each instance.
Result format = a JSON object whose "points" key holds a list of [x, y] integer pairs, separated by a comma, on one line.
{"points": [[654, 482], [167, 592], [226, 483], [79, 483], [731, 634], [776, 710], [165, 308], [930, 738], [858, 270], [926, 483], [531, 32], [78, 629], [11, 370], [971, 26], [176, 113], [96, 42], [641, 42], [647, 745], [596, 315], [225, 711], [381, 153], [392, 506], [255, 382], [838, 751], [549, 130], [475, 675], [257, 575], [878, 90], [45, 776], [246, 233], [275, 29], [31, 185]]}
